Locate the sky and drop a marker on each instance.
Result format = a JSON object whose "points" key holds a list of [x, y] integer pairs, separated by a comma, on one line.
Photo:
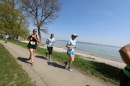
{"points": [[95, 21]]}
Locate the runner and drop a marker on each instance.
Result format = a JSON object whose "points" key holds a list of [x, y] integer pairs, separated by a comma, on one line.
{"points": [[71, 45], [6, 38], [32, 45], [50, 42]]}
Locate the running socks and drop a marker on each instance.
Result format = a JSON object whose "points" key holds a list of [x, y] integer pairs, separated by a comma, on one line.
{"points": [[32, 64]]}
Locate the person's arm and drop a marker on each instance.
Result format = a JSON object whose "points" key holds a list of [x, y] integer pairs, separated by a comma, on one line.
{"points": [[68, 45], [38, 39], [54, 41], [29, 38], [125, 54], [47, 41]]}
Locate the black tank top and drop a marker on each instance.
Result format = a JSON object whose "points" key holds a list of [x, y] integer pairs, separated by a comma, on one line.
{"points": [[33, 39]]}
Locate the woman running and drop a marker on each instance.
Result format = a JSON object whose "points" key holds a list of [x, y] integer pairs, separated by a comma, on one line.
{"points": [[71, 45], [32, 45]]}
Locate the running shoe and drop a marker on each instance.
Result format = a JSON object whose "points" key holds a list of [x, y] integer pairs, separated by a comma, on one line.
{"points": [[50, 60], [66, 65], [69, 69], [32, 64]]}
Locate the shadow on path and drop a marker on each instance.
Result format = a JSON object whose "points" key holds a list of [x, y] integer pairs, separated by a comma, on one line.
{"points": [[23, 59], [54, 64], [42, 57], [4, 42]]}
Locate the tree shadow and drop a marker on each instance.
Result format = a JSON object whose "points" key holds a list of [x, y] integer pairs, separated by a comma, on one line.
{"points": [[23, 60], [42, 57], [54, 64]]}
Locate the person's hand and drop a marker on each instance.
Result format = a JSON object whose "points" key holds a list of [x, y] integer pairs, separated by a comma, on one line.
{"points": [[47, 42], [31, 38], [35, 37], [51, 42], [74, 46]]}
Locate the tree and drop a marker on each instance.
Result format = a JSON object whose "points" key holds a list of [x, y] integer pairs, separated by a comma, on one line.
{"points": [[11, 21], [42, 12], [26, 33]]}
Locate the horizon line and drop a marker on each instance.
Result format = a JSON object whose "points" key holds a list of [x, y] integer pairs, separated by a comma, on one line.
{"points": [[90, 43]]}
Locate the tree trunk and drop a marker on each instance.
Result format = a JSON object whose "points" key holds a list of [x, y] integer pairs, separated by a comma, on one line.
{"points": [[39, 33]]}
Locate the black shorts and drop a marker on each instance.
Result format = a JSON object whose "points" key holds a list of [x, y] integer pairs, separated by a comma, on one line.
{"points": [[32, 46], [124, 79], [50, 50]]}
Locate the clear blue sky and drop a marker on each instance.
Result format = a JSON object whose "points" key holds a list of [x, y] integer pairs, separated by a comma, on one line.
{"points": [[95, 21]]}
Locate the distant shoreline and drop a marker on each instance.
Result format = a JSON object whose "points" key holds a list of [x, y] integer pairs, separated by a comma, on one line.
{"points": [[92, 43], [89, 43]]}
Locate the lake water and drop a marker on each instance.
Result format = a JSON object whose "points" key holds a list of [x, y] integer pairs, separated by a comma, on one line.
{"points": [[103, 51]]}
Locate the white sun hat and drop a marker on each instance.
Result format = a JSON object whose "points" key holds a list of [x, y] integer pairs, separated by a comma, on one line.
{"points": [[74, 35]]}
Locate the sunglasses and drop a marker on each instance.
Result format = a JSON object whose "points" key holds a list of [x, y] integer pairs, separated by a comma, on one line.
{"points": [[35, 31]]}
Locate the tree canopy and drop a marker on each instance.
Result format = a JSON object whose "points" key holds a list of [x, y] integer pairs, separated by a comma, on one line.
{"points": [[13, 14], [11, 21], [42, 12]]}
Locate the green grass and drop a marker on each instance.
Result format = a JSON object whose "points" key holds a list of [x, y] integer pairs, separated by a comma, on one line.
{"points": [[103, 71], [11, 73]]}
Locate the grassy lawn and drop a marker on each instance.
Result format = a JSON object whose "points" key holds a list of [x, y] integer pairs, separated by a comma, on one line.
{"points": [[11, 73], [103, 71]]}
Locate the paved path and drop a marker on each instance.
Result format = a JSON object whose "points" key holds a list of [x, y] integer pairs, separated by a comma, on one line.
{"points": [[50, 75]]}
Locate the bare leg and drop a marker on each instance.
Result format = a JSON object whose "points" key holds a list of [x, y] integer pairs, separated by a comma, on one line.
{"points": [[31, 54], [33, 51], [50, 52], [49, 56], [71, 60]]}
